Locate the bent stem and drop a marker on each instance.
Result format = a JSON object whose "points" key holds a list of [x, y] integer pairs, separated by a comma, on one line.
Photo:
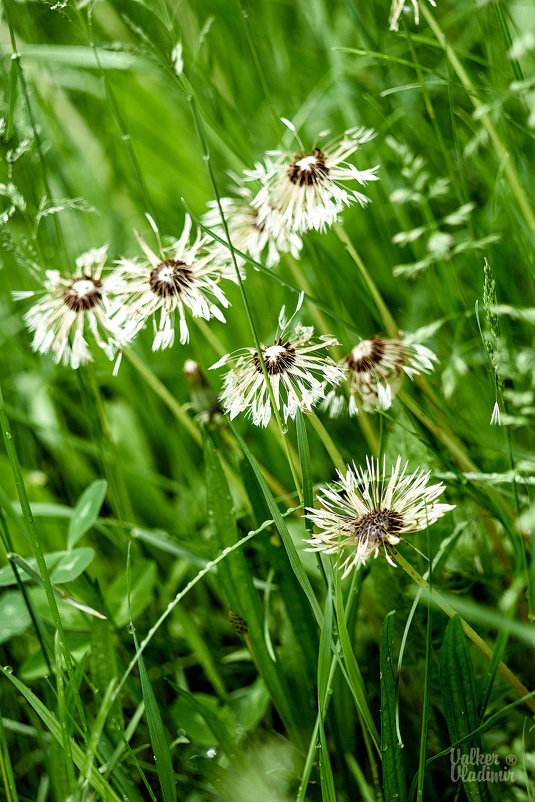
{"points": [[504, 670]]}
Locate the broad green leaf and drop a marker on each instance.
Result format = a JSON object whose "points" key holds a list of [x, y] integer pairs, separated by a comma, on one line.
{"points": [[460, 702], [64, 566], [14, 615], [86, 511], [158, 738], [394, 781]]}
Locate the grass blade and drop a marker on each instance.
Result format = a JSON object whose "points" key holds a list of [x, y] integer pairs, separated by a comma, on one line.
{"points": [[460, 698], [394, 781], [237, 584], [158, 738], [50, 721]]}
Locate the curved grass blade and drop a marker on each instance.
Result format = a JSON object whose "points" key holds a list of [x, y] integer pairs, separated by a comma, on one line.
{"points": [[237, 583], [282, 529], [50, 721], [356, 683], [158, 738]]}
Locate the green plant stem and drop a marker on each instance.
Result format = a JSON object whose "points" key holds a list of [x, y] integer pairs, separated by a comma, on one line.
{"points": [[6, 768], [327, 441], [386, 317], [502, 153], [16, 57], [38, 553], [163, 394], [107, 448], [504, 670], [427, 683], [115, 110], [206, 158], [182, 416]]}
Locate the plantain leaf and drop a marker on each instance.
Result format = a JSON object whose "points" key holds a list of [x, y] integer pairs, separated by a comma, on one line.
{"points": [[86, 511]]}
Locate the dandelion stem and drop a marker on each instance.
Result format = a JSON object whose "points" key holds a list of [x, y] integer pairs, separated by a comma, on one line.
{"points": [[388, 320], [504, 670], [327, 441], [206, 158], [182, 416]]}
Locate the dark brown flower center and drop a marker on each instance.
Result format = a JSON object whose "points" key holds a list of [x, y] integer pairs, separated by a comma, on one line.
{"points": [[363, 358], [170, 278], [376, 526], [278, 358], [82, 293], [308, 169]]}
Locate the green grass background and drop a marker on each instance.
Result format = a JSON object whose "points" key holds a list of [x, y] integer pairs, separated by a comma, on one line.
{"points": [[454, 113]]}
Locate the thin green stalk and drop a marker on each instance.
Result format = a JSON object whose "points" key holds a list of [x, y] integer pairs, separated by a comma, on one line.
{"points": [[39, 629], [182, 416], [115, 110], [427, 682], [163, 394], [504, 670], [327, 441], [16, 57], [38, 552], [388, 320], [181, 594], [106, 447], [6, 769], [259, 69], [502, 152], [504, 28], [63, 715], [206, 158]]}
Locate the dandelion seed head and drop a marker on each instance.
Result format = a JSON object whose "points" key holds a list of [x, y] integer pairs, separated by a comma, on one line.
{"points": [[163, 286], [170, 277], [308, 170], [368, 510], [374, 371], [309, 189], [83, 293], [70, 309], [296, 371]]}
